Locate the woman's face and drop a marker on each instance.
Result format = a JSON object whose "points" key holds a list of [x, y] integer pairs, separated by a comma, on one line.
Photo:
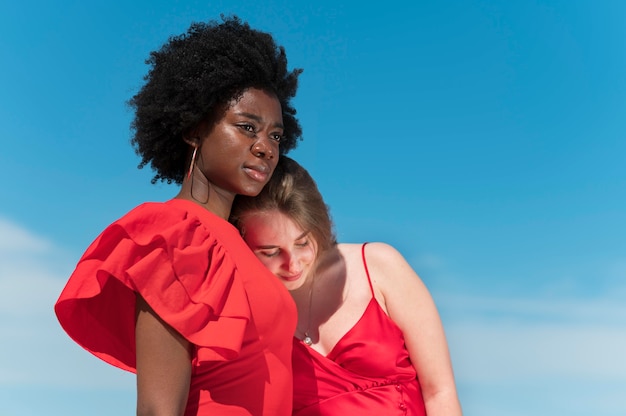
{"points": [[239, 153], [283, 247]]}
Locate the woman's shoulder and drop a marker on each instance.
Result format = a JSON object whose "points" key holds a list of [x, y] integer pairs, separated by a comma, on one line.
{"points": [[171, 218], [380, 259], [148, 214], [177, 231], [171, 210], [386, 265], [374, 252]]}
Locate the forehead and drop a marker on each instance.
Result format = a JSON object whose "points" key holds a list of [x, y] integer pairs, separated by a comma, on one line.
{"points": [[270, 227], [256, 101]]}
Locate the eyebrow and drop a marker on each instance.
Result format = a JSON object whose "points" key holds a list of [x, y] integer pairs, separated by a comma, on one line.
{"points": [[265, 247], [304, 234], [269, 247], [258, 118]]}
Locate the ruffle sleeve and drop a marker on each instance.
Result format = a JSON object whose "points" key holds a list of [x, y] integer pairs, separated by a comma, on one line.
{"points": [[177, 263]]}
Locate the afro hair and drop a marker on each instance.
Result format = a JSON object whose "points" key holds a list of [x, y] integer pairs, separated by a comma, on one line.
{"points": [[192, 75]]}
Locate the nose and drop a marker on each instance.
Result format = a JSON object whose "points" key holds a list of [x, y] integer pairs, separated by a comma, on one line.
{"points": [[292, 264], [263, 148]]}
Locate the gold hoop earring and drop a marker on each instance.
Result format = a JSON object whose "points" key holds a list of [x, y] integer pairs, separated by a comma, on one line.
{"points": [[193, 161]]}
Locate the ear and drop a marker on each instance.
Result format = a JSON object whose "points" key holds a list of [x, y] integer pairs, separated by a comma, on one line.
{"points": [[193, 141]]}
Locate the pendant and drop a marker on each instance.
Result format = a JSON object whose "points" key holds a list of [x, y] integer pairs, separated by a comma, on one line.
{"points": [[307, 340]]}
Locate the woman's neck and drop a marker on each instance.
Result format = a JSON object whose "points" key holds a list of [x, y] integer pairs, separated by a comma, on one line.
{"points": [[207, 196]]}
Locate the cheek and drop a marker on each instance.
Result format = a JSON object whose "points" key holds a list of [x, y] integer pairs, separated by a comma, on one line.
{"points": [[308, 256], [270, 263]]}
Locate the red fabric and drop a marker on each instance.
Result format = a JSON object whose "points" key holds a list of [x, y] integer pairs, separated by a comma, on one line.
{"points": [[198, 275], [368, 372]]}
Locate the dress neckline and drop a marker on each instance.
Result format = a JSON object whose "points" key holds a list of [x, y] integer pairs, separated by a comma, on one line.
{"points": [[372, 303]]}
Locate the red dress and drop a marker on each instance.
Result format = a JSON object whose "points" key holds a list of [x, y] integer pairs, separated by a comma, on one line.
{"points": [[368, 372], [196, 272]]}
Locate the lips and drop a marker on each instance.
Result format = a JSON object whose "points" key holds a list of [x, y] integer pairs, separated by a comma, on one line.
{"points": [[291, 278], [259, 173]]}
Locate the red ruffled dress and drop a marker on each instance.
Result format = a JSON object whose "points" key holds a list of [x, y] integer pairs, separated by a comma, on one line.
{"points": [[368, 372], [198, 275]]}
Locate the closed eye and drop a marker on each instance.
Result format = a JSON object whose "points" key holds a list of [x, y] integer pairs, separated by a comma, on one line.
{"points": [[303, 242], [269, 253]]}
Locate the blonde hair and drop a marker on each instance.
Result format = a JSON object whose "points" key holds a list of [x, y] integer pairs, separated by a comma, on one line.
{"points": [[292, 191]]}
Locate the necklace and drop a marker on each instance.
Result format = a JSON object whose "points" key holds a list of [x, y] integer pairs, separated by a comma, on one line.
{"points": [[307, 337]]}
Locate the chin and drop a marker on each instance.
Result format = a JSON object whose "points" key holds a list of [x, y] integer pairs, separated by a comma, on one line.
{"points": [[293, 285], [251, 191]]}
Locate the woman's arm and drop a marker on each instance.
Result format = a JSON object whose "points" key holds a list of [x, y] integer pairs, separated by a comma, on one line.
{"points": [[163, 365], [411, 307]]}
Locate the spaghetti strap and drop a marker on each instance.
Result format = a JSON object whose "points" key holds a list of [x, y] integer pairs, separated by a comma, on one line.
{"points": [[369, 280]]}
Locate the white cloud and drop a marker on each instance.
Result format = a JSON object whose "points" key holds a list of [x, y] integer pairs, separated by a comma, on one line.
{"points": [[498, 340], [520, 356], [14, 238], [506, 352], [594, 310], [33, 272]]}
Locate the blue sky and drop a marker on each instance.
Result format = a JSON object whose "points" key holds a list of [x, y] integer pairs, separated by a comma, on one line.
{"points": [[484, 139]]}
